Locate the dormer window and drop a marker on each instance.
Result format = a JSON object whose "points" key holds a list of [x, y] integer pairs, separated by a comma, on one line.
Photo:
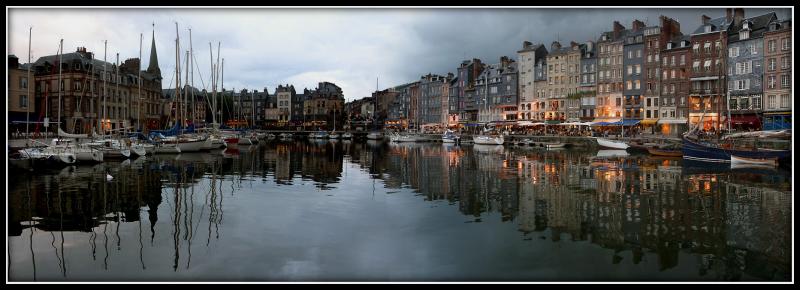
{"points": [[669, 45], [744, 34], [707, 28], [746, 25]]}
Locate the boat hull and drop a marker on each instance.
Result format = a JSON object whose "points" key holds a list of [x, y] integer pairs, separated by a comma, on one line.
{"points": [[190, 146], [700, 151], [485, 140], [610, 144], [666, 153]]}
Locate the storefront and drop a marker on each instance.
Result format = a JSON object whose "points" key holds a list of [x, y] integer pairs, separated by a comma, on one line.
{"points": [[745, 122], [711, 121], [672, 127], [777, 120]]}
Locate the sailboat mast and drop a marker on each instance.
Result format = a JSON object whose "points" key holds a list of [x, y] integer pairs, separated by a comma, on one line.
{"points": [[116, 79], [60, 86], [222, 85], [105, 77], [27, 105], [177, 76], [186, 92], [213, 85], [217, 67], [191, 67], [139, 81]]}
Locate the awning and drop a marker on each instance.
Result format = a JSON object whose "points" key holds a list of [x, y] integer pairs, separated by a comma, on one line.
{"points": [[626, 122], [750, 120], [649, 121], [553, 122], [672, 121]]}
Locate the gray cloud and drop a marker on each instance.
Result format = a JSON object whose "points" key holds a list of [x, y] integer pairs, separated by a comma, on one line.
{"points": [[351, 47]]}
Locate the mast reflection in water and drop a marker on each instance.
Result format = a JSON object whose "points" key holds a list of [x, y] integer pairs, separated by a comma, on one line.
{"points": [[348, 210]]}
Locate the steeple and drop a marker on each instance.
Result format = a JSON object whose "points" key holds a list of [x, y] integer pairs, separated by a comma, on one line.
{"points": [[153, 67]]}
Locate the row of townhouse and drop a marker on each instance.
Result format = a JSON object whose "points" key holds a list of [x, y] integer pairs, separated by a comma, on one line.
{"points": [[92, 94], [731, 70], [663, 79]]}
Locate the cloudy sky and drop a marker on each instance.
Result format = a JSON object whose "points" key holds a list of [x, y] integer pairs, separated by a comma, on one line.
{"points": [[350, 47]]}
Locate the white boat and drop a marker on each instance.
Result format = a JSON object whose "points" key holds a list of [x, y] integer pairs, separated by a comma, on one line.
{"points": [[334, 135], [112, 148], [347, 135], [213, 142], [138, 149], [83, 153], [553, 145], [185, 144], [397, 137], [612, 144], [285, 136], [166, 148], [450, 137], [375, 135], [47, 156], [488, 140], [320, 135], [737, 161]]}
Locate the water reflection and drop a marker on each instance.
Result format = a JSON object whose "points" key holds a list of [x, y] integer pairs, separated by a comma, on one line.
{"points": [[719, 224]]}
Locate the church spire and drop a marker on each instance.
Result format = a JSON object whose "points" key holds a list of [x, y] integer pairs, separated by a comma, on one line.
{"points": [[153, 67]]}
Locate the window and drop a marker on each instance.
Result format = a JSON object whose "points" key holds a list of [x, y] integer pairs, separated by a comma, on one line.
{"points": [[784, 81], [771, 46], [638, 84], [707, 65], [665, 62], [733, 105], [696, 48], [23, 82], [742, 84], [630, 70], [718, 45], [649, 58], [23, 101], [733, 52], [630, 54], [638, 53], [785, 43], [672, 60], [757, 103], [707, 47], [696, 66], [630, 85], [672, 74], [771, 65], [683, 59], [638, 69], [771, 102], [672, 88], [784, 101], [744, 104], [784, 62]]}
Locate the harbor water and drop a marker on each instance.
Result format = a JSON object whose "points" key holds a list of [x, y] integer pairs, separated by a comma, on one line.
{"points": [[331, 210]]}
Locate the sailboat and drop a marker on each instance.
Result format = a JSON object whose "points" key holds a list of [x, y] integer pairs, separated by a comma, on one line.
{"points": [[483, 138], [375, 134]]}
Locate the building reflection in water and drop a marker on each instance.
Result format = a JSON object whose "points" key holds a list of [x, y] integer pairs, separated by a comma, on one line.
{"points": [[734, 222]]}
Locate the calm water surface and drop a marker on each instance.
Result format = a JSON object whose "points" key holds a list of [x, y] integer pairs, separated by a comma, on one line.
{"points": [[368, 211]]}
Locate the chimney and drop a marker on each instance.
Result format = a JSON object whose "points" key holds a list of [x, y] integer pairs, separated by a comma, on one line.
{"points": [[555, 46], [526, 44], [738, 16], [618, 28], [637, 25], [704, 19], [729, 14], [573, 44]]}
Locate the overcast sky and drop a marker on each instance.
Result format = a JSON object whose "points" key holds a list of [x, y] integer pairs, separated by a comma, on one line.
{"points": [[350, 47]]}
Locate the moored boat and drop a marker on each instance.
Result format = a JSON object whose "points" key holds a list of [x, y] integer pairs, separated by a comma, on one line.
{"points": [[450, 137], [666, 151], [488, 140], [739, 160], [611, 144]]}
